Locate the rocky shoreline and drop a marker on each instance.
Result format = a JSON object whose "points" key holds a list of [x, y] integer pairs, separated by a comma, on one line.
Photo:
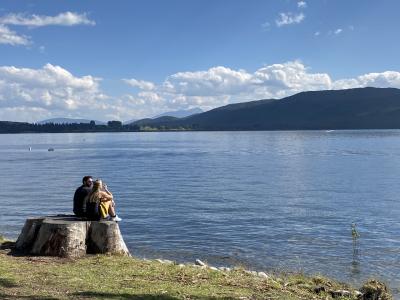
{"points": [[371, 290]]}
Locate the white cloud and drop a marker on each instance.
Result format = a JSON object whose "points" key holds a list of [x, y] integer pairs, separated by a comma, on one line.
{"points": [[12, 38], [50, 88], [215, 81], [220, 85], [141, 84], [289, 18], [63, 19], [317, 33], [51, 91], [301, 4], [384, 79], [338, 31]]}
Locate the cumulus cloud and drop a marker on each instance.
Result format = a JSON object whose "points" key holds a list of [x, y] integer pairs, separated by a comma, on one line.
{"points": [[215, 81], [383, 80], [289, 18], [301, 4], [51, 91], [63, 19], [50, 88], [338, 31], [10, 37], [141, 84], [220, 85]]}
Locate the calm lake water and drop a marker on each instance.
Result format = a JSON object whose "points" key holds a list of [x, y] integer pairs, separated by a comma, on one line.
{"points": [[265, 200]]}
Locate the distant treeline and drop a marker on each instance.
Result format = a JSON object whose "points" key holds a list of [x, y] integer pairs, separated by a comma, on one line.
{"points": [[22, 127]]}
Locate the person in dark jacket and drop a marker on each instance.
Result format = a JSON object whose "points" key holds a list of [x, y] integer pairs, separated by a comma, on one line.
{"points": [[81, 195]]}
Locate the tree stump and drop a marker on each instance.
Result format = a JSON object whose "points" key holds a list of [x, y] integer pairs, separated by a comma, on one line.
{"points": [[69, 236], [28, 234]]}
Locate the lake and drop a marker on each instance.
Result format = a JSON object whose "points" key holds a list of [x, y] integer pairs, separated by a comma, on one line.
{"points": [[273, 201]]}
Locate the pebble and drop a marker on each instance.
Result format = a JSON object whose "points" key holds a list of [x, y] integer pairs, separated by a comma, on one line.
{"points": [[169, 262], [319, 289], [200, 263], [340, 293], [262, 275], [165, 261]]}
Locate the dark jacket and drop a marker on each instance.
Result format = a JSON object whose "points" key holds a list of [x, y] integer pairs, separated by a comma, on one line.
{"points": [[80, 196]]}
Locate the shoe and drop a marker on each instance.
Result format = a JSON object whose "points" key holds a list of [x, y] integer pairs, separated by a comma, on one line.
{"points": [[116, 219]]}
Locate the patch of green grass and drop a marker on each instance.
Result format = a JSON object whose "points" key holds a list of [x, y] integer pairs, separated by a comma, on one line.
{"points": [[115, 277]]}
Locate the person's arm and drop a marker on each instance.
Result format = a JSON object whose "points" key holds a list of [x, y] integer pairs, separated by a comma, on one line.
{"points": [[106, 189], [104, 197]]}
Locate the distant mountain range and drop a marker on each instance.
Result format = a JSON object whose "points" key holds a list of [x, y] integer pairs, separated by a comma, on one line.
{"points": [[176, 114], [360, 108], [70, 121], [180, 113]]}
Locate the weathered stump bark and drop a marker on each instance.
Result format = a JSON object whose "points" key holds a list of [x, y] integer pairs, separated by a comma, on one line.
{"points": [[68, 236], [64, 238], [28, 234], [103, 237]]}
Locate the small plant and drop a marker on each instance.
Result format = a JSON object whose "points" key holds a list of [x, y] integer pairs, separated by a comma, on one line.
{"points": [[354, 233], [356, 247]]}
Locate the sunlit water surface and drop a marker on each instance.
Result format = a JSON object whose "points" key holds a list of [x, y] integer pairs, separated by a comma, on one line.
{"points": [[274, 201]]}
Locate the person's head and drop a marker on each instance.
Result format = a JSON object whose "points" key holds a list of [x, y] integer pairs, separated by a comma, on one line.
{"points": [[87, 181], [97, 185]]}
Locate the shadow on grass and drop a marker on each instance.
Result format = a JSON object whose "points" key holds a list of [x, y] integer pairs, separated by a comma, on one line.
{"points": [[7, 283], [7, 296], [101, 295], [12, 250], [7, 245]]}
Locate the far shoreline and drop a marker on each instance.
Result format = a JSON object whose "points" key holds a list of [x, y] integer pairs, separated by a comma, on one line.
{"points": [[329, 130]]}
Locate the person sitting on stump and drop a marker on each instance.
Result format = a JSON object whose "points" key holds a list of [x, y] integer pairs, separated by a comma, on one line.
{"points": [[101, 203], [81, 195]]}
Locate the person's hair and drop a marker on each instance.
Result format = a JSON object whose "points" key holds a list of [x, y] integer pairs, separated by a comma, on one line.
{"points": [[94, 194], [85, 178]]}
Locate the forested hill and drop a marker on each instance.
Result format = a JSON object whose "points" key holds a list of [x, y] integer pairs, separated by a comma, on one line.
{"points": [[361, 108]]}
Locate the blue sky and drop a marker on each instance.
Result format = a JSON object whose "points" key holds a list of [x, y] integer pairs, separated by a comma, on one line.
{"points": [[132, 59]]}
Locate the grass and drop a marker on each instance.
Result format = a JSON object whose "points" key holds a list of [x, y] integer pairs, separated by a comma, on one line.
{"points": [[116, 277]]}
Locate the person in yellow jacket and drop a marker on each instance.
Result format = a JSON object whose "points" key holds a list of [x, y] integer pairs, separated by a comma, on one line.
{"points": [[101, 198]]}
